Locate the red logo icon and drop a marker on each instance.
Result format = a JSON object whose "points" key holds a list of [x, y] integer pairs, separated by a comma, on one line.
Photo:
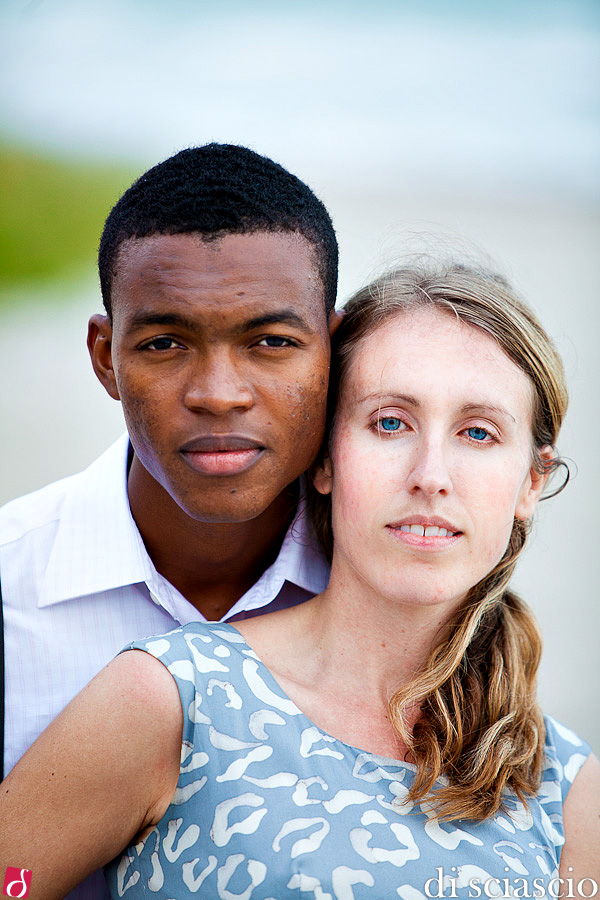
{"points": [[16, 882]]}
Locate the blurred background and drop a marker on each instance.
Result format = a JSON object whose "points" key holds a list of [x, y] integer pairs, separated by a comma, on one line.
{"points": [[474, 124]]}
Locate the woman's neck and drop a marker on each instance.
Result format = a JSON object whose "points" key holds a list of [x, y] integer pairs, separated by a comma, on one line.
{"points": [[360, 640], [342, 655]]}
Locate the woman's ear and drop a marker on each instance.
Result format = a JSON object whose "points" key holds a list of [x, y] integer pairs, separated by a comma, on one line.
{"points": [[323, 476], [533, 485], [335, 320]]}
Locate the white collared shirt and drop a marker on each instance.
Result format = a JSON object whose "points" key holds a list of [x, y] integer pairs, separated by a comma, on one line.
{"points": [[78, 584]]}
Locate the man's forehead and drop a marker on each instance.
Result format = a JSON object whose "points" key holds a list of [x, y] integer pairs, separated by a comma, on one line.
{"points": [[249, 275], [255, 249]]}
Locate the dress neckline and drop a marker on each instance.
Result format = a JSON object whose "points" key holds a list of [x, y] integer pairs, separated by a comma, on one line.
{"points": [[329, 738]]}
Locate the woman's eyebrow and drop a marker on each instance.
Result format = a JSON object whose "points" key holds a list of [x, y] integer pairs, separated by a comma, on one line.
{"points": [[487, 408], [481, 407], [386, 397]]}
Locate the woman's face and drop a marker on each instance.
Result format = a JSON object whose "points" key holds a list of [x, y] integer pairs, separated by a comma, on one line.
{"points": [[430, 459]]}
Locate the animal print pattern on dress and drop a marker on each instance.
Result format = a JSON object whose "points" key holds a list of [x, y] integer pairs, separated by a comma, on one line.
{"points": [[270, 807]]}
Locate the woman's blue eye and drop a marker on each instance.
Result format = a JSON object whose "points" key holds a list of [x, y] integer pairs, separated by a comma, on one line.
{"points": [[390, 423], [477, 434]]}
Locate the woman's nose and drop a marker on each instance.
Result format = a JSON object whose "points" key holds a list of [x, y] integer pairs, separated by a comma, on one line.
{"points": [[430, 471]]}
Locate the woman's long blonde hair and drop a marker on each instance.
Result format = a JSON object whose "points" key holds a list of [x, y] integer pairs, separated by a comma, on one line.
{"points": [[479, 723]]}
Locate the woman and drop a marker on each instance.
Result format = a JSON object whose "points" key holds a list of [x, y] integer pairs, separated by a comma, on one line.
{"points": [[382, 739]]}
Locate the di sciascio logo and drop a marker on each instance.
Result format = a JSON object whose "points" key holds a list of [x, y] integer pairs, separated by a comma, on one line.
{"points": [[16, 882], [445, 886]]}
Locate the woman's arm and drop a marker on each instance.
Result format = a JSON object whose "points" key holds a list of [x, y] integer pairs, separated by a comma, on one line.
{"points": [[580, 856], [102, 772]]}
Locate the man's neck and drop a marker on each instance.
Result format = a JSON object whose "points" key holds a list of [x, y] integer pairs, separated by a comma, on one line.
{"points": [[211, 565]]}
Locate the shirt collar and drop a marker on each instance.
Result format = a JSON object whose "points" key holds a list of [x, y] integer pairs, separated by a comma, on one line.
{"points": [[97, 545], [300, 561]]}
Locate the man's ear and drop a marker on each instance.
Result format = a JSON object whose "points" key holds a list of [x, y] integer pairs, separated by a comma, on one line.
{"points": [[335, 320], [99, 342], [323, 476], [533, 485]]}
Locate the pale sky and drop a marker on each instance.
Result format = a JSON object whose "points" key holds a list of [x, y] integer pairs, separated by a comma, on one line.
{"points": [[491, 98]]}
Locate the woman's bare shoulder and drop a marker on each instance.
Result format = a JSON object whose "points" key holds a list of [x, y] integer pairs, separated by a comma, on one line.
{"points": [[581, 812], [102, 772]]}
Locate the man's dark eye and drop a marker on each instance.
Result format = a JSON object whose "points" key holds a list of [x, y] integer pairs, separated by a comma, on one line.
{"points": [[161, 343], [275, 340]]}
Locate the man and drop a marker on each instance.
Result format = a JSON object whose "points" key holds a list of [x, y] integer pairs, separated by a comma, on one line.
{"points": [[218, 272]]}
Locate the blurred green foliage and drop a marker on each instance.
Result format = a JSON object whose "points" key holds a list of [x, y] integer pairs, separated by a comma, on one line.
{"points": [[52, 213]]}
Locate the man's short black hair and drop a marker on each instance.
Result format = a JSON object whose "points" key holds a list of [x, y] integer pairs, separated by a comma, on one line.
{"points": [[216, 190]]}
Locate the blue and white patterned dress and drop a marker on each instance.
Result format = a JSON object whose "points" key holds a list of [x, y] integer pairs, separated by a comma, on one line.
{"points": [[270, 807]]}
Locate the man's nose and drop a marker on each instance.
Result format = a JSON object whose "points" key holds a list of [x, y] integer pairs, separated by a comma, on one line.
{"points": [[430, 471], [217, 384]]}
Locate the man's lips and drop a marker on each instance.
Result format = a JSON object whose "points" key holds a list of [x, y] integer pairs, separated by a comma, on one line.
{"points": [[221, 443], [221, 454]]}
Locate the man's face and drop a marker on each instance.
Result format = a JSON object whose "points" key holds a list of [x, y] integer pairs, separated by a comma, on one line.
{"points": [[219, 353]]}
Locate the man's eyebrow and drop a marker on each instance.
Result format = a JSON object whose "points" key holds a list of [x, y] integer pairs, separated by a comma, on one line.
{"points": [[279, 317], [142, 319]]}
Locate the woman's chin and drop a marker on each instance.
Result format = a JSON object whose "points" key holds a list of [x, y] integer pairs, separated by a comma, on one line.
{"points": [[426, 597]]}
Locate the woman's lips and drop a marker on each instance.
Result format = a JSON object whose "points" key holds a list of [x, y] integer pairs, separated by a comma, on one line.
{"points": [[424, 542], [425, 533], [216, 454]]}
